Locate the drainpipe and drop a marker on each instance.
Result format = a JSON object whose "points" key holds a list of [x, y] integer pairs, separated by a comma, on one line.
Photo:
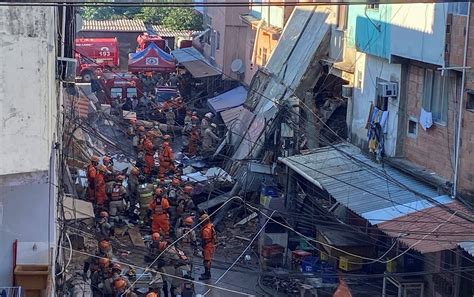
{"points": [[461, 101]]}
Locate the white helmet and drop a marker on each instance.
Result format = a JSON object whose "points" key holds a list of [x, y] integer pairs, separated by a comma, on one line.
{"points": [[208, 115], [213, 125]]}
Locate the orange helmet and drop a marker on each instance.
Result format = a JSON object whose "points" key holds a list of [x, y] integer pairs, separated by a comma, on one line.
{"points": [[189, 221], [103, 214], [141, 129], [166, 144], [155, 236], [175, 182], [94, 158], [151, 295], [120, 283], [134, 171], [120, 178], [104, 244], [188, 189], [104, 262], [166, 137], [194, 118], [117, 266], [102, 168], [159, 191], [105, 159]]}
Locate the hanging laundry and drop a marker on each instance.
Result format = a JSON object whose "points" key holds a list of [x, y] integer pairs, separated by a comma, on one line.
{"points": [[369, 117], [375, 134], [426, 119]]}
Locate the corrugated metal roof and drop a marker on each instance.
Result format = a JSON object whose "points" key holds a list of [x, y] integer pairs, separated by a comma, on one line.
{"points": [[433, 229], [358, 187], [237, 120], [167, 32], [228, 100], [468, 246], [114, 25], [187, 54]]}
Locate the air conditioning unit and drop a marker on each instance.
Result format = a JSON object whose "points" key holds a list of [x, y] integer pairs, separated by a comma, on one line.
{"points": [[67, 70], [388, 89], [347, 91]]}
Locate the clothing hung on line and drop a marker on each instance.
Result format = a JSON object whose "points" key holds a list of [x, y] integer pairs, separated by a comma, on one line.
{"points": [[376, 132]]}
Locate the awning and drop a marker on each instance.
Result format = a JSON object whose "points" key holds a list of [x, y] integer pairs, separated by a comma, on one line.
{"points": [[359, 184], [191, 59], [200, 69], [227, 100], [152, 58]]}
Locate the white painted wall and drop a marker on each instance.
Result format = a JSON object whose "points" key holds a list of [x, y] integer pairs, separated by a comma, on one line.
{"points": [[27, 88], [371, 67], [418, 31]]}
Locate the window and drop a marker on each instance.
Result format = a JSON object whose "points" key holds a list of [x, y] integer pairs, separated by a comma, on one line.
{"points": [[131, 92], [114, 92], [412, 128], [264, 56], [436, 89], [374, 5], [342, 17], [470, 100], [458, 8], [448, 259]]}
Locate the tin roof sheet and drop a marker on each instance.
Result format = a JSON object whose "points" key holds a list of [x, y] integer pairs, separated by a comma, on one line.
{"points": [[433, 229], [123, 25], [167, 32], [468, 246], [360, 187]]}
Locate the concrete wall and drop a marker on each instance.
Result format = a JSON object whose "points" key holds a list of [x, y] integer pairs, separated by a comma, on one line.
{"points": [[418, 31], [27, 88], [369, 68], [26, 214]]}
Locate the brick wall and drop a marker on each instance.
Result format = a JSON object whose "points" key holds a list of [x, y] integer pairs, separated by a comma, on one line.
{"points": [[434, 147]]}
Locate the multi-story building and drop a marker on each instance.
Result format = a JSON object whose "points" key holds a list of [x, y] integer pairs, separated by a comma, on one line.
{"points": [[224, 39], [30, 134], [265, 24]]}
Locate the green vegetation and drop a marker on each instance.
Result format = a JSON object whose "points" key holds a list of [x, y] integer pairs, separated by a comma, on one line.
{"points": [[182, 18]]}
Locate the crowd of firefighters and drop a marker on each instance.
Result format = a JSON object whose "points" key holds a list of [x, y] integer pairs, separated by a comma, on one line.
{"points": [[170, 215]]}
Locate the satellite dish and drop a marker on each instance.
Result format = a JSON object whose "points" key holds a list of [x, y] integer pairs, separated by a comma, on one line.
{"points": [[237, 66], [78, 22]]}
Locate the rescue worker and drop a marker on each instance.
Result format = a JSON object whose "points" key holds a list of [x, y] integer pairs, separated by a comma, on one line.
{"points": [[206, 122], [195, 119], [104, 250], [170, 118], [158, 211], [99, 276], [188, 243], [116, 204], [133, 183], [185, 202], [149, 153], [208, 241], [193, 142], [166, 158], [115, 272], [209, 138], [109, 175], [122, 289], [105, 228], [188, 118], [100, 191], [152, 294], [91, 173]]}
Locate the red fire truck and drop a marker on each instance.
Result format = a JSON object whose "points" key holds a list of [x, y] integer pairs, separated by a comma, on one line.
{"points": [[145, 39], [121, 84], [95, 54]]}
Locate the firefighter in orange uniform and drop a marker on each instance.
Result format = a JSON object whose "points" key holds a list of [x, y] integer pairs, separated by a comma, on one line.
{"points": [[99, 182], [166, 158], [158, 210], [193, 141], [91, 173], [208, 242], [149, 152]]}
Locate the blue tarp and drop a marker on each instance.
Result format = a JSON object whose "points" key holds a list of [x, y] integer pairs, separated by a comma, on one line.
{"points": [[227, 100]]}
